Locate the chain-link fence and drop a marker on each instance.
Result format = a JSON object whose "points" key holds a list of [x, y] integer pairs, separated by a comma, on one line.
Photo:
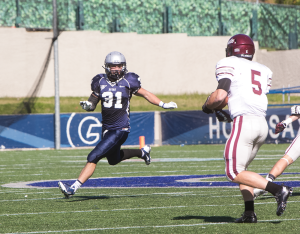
{"points": [[274, 26]]}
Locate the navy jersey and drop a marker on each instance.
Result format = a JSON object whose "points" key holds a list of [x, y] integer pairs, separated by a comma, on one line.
{"points": [[115, 99]]}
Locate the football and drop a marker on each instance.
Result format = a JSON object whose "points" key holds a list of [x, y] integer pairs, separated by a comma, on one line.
{"points": [[223, 104]]}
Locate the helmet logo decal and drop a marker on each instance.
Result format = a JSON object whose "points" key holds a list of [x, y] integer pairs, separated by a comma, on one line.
{"points": [[230, 41]]}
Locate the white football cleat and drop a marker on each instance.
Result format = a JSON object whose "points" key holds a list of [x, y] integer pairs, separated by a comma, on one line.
{"points": [[146, 149], [66, 189]]}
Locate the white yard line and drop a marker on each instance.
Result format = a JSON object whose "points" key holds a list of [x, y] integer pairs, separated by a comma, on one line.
{"points": [[131, 209], [143, 227]]}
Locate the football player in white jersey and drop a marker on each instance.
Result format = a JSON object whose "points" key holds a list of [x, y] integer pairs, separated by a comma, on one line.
{"points": [[246, 84], [291, 153]]}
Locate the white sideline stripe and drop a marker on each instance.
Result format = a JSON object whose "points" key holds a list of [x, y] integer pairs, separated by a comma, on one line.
{"points": [[142, 227], [167, 160], [31, 199], [38, 199], [150, 208]]}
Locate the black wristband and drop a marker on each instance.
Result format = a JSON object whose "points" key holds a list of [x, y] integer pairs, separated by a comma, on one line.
{"points": [[94, 100]]}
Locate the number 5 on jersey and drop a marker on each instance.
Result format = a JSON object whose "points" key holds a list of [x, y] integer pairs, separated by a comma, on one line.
{"points": [[257, 89]]}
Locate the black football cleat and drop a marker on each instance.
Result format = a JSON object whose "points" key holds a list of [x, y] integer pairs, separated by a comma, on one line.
{"points": [[247, 217], [281, 198]]}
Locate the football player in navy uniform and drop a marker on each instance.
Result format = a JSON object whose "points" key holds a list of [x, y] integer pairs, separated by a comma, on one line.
{"points": [[114, 89]]}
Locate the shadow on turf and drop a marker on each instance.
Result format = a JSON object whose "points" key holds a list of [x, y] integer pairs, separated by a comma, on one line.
{"points": [[84, 198], [211, 219], [295, 194], [214, 219]]}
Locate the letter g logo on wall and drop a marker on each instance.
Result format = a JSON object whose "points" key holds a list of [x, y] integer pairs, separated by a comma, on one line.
{"points": [[91, 132]]}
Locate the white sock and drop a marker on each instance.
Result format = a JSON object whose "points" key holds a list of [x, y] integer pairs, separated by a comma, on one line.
{"points": [[270, 178], [76, 185]]}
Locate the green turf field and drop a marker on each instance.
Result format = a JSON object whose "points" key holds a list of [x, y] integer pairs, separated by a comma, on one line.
{"points": [[71, 104], [137, 210]]}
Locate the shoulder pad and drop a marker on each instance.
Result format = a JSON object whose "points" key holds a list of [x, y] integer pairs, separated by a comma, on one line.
{"points": [[131, 75]]}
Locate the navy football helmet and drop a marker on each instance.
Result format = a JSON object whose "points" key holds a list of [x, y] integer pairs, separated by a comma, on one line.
{"points": [[240, 45], [114, 58]]}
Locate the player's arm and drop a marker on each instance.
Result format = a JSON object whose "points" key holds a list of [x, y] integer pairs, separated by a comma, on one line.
{"points": [[93, 100], [217, 97], [295, 114], [91, 103], [150, 97]]}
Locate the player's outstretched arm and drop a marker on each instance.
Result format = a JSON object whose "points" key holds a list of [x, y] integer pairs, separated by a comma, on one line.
{"points": [[295, 114], [283, 124], [150, 97], [90, 104]]}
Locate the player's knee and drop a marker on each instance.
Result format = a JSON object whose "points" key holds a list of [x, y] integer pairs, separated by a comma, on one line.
{"points": [[289, 159], [231, 176], [93, 158]]}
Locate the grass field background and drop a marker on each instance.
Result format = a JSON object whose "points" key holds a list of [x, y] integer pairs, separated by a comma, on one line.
{"points": [[137, 210], [71, 104]]}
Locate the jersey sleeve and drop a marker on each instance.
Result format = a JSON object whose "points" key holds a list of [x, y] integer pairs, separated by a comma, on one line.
{"points": [[225, 69], [269, 82], [134, 81], [95, 85]]}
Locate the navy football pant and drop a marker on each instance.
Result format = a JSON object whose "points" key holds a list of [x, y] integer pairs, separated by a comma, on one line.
{"points": [[109, 147]]}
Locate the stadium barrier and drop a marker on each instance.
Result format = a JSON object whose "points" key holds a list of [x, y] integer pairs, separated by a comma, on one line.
{"points": [[196, 127], [159, 128], [273, 25], [77, 130], [284, 91]]}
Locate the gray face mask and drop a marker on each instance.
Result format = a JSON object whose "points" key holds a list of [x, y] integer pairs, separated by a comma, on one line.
{"points": [[115, 75]]}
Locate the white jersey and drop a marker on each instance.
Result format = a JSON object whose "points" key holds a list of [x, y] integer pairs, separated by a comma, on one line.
{"points": [[250, 82]]}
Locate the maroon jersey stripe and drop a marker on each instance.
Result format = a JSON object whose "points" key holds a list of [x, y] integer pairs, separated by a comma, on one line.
{"points": [[227, 151], [224, 67], [235, 144], [223, 73]]}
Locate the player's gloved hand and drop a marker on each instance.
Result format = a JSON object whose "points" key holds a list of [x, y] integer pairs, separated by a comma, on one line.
{"points": [[280, 127], [86, 105], [205, 109], [295, 110], [169, 105], [223, 116]]}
